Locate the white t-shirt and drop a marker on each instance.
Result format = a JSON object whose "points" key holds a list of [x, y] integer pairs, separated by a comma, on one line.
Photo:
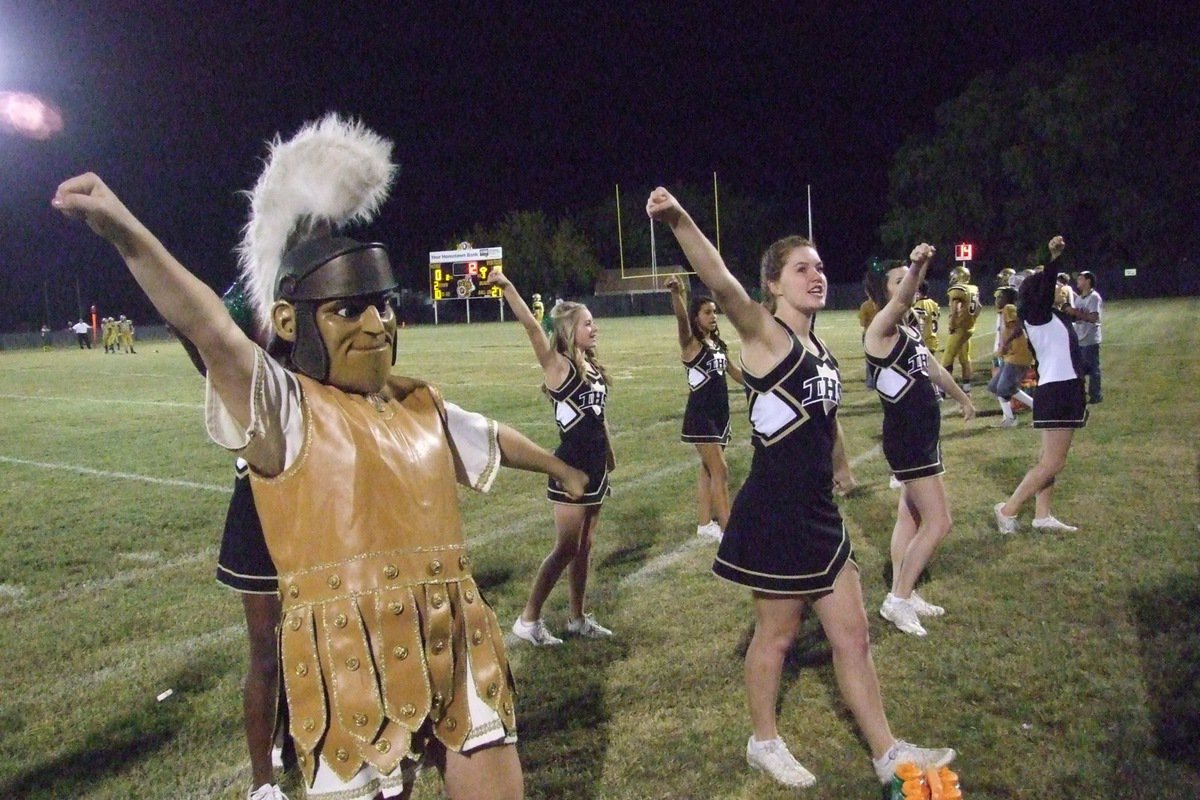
{"points": [[273, 439], [1089, 332]]}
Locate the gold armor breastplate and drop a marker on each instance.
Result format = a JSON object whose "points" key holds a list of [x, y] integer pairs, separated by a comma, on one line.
{"points": [[380, 611]]}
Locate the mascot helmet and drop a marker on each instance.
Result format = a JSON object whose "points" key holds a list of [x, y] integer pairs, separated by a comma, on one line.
{"points": [[334, 172]]}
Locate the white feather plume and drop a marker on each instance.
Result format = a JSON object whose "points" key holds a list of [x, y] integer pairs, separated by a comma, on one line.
{"points": [[334, 172]]}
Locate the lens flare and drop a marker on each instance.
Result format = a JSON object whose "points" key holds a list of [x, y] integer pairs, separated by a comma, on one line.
{"points": [[28, 115]]}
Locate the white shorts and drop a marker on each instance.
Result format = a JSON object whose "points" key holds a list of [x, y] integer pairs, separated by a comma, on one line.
{"points": [[368, 782]]}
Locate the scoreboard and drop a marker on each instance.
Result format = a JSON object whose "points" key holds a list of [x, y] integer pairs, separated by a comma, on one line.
{"points": [[461, 274]]}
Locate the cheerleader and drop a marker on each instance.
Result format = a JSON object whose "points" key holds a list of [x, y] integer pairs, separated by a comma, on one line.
{"points": [[1060, 406], [577, 386], [706, 419], [786, 541], [905, 374]]}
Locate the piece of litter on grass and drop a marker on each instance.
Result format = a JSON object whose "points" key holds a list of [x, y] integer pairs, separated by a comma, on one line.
{"points": [[1025, 726], [164, 695]]}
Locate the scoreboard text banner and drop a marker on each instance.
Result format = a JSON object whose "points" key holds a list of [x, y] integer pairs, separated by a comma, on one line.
{"points": [[461, 274]]}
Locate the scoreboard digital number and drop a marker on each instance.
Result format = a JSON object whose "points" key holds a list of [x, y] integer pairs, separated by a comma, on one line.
{"points": [[462, 274]]}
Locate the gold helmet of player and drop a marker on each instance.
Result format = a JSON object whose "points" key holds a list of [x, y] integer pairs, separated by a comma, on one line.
{"points": [[1004, 276], [960, 274]]}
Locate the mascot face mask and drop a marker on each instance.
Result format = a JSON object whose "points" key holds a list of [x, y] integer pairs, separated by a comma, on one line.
{"points": [[360, 337], [345, 328]]}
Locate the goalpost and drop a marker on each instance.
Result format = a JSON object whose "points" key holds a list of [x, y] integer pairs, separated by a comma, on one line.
{"points": [[654, 273]]}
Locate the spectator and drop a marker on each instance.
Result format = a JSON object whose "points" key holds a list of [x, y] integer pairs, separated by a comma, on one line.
{"points": [[82, 334], [1087, 310]]}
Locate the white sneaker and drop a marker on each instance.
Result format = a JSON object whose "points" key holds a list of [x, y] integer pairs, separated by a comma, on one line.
{"points": [[536, 633], [268, 791], [1052, 524], [774, 758], [895, 483], [1008, 422], [901, 613], [903, 752], [587, 627], [923, 607], [1006, 525], [710, 531]]}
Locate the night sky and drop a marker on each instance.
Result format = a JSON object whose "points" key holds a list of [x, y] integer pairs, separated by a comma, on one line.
{"points": [[493, 107]]}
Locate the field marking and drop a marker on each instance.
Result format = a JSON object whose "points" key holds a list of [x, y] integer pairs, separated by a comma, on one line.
{"points": [[665, 561], [11, 591], [101, 473], [144, 659], [866, 455], [670, 558], [106, 401], [535, 521], [144, 556], [90, 587]]}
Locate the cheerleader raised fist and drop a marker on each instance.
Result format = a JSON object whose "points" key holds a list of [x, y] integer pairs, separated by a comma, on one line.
{"points": [[921, 253]]}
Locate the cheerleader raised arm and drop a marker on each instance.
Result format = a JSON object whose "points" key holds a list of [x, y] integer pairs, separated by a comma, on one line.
{"points": [[785, 540]]}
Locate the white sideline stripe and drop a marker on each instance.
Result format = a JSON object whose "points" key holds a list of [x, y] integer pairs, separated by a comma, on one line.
{"points": [[106, 401], [219, 783], [144, 556], [88, 588], [672, 557], [530, 522], [665, 560], [537, 520], [101, 473], [866, 455], [144, 659]]}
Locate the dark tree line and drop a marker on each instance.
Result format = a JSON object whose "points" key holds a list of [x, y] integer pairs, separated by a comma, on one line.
{"points": [[1101, 147]]}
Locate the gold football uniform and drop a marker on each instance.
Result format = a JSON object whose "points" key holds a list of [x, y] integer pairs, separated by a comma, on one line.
{"points": [[927, 312], [964, 311], [1018, 349], [110, 335], [866, 313]]}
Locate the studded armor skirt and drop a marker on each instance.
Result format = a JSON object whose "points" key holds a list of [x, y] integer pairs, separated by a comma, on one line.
{"points": [[365, 670]]}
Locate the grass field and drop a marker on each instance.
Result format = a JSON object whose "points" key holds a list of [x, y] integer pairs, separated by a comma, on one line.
{"points": [[1067, 665]]}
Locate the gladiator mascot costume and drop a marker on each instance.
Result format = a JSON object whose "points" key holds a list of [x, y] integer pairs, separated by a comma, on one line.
{"points": [[385, 640]]}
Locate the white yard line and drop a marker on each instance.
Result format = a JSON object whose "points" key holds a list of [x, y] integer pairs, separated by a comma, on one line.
{"points": [[866, 455], [87, 589], [144, 657], [101, 400], [540, 519], [101, 473], [664, 561], [670, 558]]}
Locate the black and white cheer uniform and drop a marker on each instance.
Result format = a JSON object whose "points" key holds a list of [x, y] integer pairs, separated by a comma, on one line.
{"points": [[706, 418], [1060, 401], [785, 535], [583, 441], [912, 416], [244, 563]]}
